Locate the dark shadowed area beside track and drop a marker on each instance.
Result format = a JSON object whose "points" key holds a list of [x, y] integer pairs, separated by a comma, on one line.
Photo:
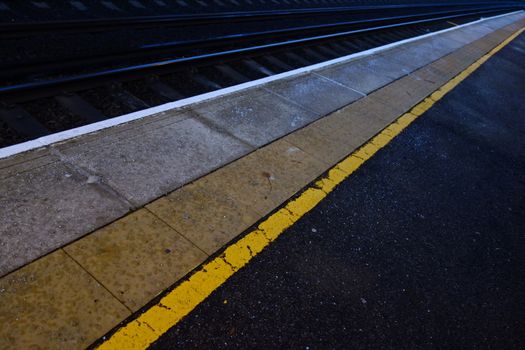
{"points": [[423, 247], [49, 10]]}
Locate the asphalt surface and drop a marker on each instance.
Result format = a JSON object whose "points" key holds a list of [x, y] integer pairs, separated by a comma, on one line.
{"points": [[423, 247]]}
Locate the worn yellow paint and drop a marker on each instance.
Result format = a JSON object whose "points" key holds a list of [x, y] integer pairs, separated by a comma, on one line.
{"points": [[367, 151], [276, 224], [149, 326], [423, 106], [350, 164], [381, 140], [307, 201]]}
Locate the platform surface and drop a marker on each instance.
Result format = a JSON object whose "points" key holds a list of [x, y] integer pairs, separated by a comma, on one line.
{"points": [[103, 224]]}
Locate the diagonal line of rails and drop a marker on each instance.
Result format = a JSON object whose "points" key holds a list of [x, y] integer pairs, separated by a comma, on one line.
{"points": [[285, 38], [24, 28], [183, 45]]}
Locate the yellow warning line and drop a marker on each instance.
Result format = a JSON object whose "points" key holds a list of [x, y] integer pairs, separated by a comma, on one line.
{"points": [[149, 326]]}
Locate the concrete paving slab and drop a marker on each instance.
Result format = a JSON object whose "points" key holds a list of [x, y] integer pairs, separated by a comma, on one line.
{"points": [[493, 39], [371, 106], [433, 74], [366, 75], [315, 93], [493, 25], [481, 29], [205, 213], [147, 165], [48, 207], [25, 161], [256, 116], [511, 28], [421, 53], [449, 66], [334, 137], [468, 34], [484, 45], [55, 304], [127, 130], [501, 22], [466, 56], [136, 257], [404, 93], [316, 142], [267, 177]]}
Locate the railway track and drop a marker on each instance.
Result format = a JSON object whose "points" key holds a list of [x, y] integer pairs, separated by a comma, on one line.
{"points": [[184, 20], [182, 46], [41, 98]]}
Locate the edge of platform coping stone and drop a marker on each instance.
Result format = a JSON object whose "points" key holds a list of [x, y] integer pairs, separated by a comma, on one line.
{"points": [[75, 133]]}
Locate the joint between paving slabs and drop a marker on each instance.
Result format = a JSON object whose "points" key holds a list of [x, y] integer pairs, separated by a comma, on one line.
{"points": [[177, 231], [306, 109], [338, 83], [96, 280], [215, 127], [94, 179]]}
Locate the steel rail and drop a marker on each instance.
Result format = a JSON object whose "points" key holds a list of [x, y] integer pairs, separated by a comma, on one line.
{"points": [[61, 84], [11, 70], [22, 28], [303, 29]]}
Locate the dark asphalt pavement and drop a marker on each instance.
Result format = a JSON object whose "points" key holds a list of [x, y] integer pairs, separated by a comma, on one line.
{"points": [[423, 247]]}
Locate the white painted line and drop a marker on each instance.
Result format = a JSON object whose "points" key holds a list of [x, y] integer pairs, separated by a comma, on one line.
{"points": [[86, 129]]}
